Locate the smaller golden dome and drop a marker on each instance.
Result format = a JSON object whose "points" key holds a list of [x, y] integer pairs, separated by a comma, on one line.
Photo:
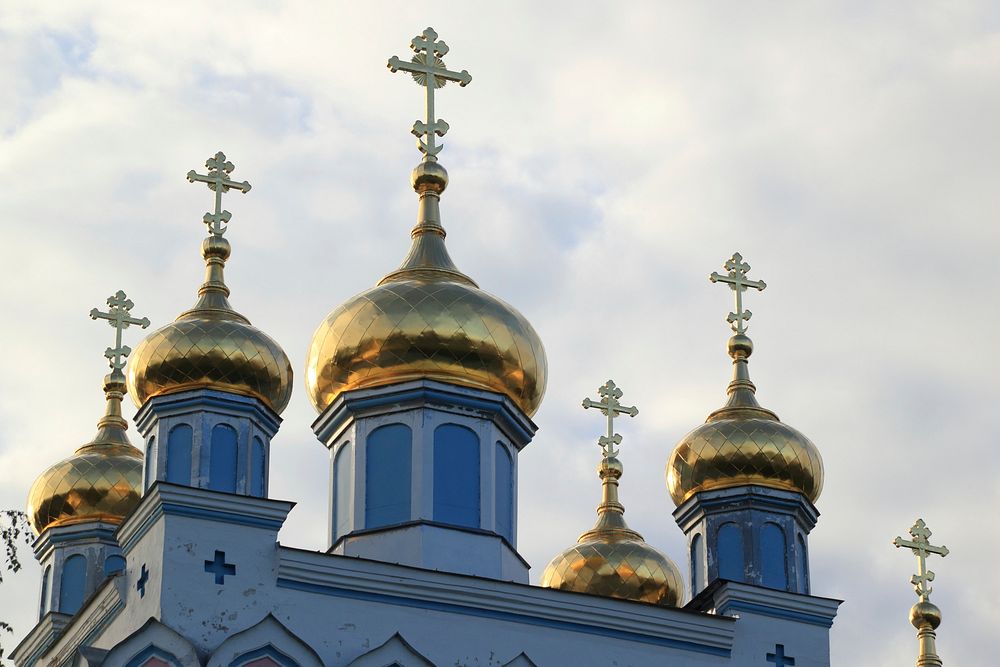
{"points": [[742, 444], [612, 560], [211, 346], [102, 481]]}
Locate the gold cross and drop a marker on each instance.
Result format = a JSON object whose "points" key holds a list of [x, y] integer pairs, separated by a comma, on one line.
{"points": [[218, 180], [611, 408], [428, 70], [921, 548], [736, 278], [118, 316]]}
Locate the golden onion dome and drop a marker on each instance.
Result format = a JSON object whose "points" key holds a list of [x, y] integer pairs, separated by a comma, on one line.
{"points": [[102, 481], [612, 560], [211, 346], [742, 444], [427, 320]]}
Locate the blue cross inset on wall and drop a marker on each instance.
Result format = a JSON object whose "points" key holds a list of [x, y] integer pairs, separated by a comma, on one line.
{"points": [[779, 658], [140, 585], [219, 567]]}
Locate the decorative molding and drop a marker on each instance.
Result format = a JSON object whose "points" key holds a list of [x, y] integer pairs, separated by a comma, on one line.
{"points": [[153, 639], [268, 637], [395, 651], [731, 598]]}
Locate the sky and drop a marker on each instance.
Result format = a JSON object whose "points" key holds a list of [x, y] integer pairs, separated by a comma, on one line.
{"points": [[605, 159]]}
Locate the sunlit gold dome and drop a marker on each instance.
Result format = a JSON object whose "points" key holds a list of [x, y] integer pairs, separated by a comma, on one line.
{"points": [[612, 560], [102, 481], [211, 346], [427, 320], [743, 443]]}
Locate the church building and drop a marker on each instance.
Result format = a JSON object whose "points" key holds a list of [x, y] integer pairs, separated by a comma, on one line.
{"points": [[162, 551]]}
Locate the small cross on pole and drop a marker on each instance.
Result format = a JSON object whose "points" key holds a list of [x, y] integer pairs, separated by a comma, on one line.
{"points": [[611, 408], [218, 181], [118, 316], [428, 70], [921, 548], [736, 278]]}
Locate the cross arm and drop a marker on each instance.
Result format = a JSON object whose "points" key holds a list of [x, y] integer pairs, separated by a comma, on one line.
{"points": [[921, 546], [194, 176], [738, 283], [463, 78]]}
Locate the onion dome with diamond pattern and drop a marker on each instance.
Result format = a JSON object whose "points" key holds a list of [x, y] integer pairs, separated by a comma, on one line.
{"points": [[101, 481], [743, 444], [211, 346], [429, 320], [612, 560]]}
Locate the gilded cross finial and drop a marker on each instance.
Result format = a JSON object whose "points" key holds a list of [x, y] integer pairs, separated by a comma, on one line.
{"points": [[119, 317], [218, 181], [611, 408], [921, 548], [428, 69], [736, 278]]}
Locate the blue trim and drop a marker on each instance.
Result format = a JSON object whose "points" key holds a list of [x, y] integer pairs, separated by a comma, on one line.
{"points": [[397, 601], [152, 651], [98, 533], [774, 612], [168, 405], [219, 515], [265, 651]]}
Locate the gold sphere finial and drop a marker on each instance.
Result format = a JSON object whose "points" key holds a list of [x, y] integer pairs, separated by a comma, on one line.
{"points": [[925, 613], [740, 346], [429, 177], [216, 246]]}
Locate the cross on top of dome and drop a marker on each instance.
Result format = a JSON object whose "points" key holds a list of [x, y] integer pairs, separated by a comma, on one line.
{"points": [[736, 278], [611, 408], [218, 180], [118, 316]]}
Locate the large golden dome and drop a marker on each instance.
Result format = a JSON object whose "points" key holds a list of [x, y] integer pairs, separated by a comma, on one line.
{"points": [[743, 443], [427, 320], [612, 560], [102, 481], [211, 346]]}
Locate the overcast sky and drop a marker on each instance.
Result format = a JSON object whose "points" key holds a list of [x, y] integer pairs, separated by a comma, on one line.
{"points": [[604, 160]]}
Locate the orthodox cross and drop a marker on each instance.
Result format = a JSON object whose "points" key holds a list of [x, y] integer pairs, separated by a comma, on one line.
{"points": [[218, 180], [921, 548], [611, 408], [779, 658], [736, 278], [428, 70], [118, 316]]}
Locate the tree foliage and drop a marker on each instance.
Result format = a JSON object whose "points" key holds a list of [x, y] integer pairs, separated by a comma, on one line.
{"points": [[14, 533]]}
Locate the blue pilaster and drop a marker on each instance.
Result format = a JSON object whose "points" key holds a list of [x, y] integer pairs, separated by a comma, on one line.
{"points": [[208, 439]]}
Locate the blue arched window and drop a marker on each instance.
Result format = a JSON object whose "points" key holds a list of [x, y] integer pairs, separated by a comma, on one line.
{"points": [[43, 605], [179, 455], [342, 491], [150, 458], [772, 553], [113, 564], [730, 541], [504, 484], [72, 584], [222, 459], [456, 475], [258, 468], [802, 561], [388, 465], [697, 564]]}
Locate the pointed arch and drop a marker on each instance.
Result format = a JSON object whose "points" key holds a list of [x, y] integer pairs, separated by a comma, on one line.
{"points": [[152, 645], [522, 660], [267, 643], [395, 651]]}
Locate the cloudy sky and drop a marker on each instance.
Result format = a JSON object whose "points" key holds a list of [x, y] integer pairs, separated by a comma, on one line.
{"points": [[603, 162]]}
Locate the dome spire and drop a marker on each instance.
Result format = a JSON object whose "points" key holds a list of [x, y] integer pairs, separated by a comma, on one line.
{"points": [[428, 258], [925, 616]]}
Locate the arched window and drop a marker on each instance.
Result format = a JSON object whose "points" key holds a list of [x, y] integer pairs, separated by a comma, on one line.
{"points": [[731, 558], [258, 468], [456, 475], [148, 468], [388, 465], [43, 605], [179, 455], [222, 459], [342, 491], [697, 564], [503, 482], [774, 568], [72, 584], [802, 561], [113, 564]]}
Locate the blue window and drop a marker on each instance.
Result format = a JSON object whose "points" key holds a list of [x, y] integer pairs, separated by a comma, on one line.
{"points": [[697, 564], [72, 584], [456, 475], [113, 565], [802, 561], [731, 556], [150, 457], [342, 491], [43, 605], [179, 455], [772, 554], [504, 484], [258, 468], [222, 459], [388, 462]]}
